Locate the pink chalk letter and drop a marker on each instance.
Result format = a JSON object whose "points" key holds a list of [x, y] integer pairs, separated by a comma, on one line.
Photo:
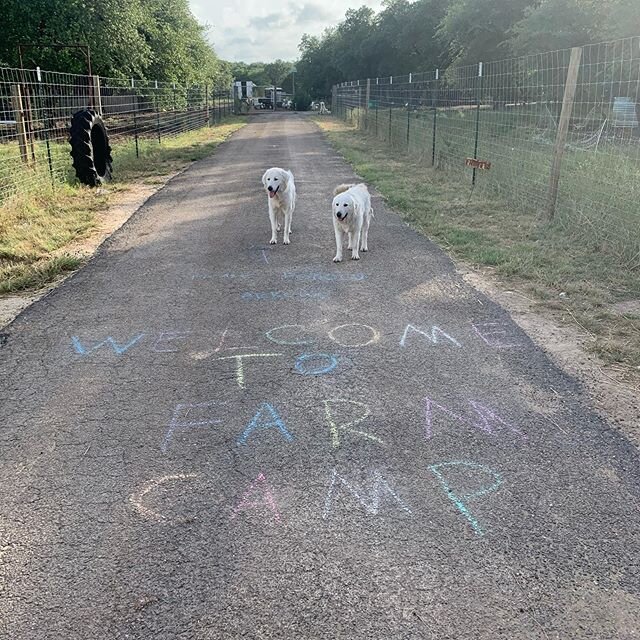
{"points": [[487, 419], [266, 500]]}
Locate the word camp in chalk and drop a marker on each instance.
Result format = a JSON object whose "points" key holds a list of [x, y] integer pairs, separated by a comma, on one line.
{"points": [[494, 335], [376, 495]]}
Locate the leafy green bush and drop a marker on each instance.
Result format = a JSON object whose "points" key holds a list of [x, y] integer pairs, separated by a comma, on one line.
{"points": [[302, 100]]}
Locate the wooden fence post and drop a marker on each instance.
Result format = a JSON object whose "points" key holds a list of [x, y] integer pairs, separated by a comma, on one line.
{"points": [[97, 96], [563, 128], [16, 102]]}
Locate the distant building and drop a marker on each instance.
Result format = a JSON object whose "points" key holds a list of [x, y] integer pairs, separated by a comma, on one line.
{"points": [[243, 89]]}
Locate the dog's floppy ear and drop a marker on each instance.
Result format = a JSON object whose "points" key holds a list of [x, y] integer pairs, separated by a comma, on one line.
{"points": [[341, 188], [264, 178]]}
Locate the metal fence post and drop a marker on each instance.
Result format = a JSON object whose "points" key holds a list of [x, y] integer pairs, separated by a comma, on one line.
{"points": [[409, 113], [47, 124], [135, 117], [157, 105], [563, 127], [376, 118], [390, 109], [206, 102], [435, 115], [175, 113], [368, 95], [478, 100]]}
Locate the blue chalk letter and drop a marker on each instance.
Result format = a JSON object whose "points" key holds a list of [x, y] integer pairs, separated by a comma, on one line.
{"points": [[259, 423], [371, 502], [461, 501], [82, 350], [305, 370]]}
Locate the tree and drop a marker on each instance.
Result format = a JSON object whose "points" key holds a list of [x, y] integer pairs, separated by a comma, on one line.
{"points": [[399, 40], [254, 71], [110, 27], [559, 24], [154, 39], [477, 30], [277, 71], [407, 32]]}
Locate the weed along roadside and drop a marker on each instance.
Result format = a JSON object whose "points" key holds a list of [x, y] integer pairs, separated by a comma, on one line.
{"points": [[51, 229], [546, 261]]}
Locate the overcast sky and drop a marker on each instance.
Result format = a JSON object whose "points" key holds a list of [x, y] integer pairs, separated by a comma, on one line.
{"points": [[259, 30]]}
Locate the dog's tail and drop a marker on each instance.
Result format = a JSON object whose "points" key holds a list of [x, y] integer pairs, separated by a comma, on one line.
{"points": [[341, 188]]}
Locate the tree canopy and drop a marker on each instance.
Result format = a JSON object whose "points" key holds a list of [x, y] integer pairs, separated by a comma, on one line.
{"points": [[153, 39], [423, 35]]}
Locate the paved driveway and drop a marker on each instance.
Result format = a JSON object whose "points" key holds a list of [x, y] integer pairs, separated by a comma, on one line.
{"points": [[205, 436]]}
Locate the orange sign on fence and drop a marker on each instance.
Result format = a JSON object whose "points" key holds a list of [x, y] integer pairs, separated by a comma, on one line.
{"points": [[477, 164]]}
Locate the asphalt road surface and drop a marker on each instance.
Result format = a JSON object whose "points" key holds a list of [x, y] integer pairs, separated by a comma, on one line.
{"points": [[205, 436]]}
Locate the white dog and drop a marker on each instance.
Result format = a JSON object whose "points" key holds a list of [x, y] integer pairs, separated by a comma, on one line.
{"points": [[352, 215], [281, 190]]}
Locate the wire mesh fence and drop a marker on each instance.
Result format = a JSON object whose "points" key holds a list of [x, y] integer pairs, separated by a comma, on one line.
{"points": [[556, 133], [36, 108]]}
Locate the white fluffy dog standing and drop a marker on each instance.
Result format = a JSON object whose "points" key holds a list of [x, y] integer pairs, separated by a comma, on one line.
{"points": [[352, 215], [281, 189]]}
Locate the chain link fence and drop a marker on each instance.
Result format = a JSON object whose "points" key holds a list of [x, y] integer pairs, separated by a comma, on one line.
{"points": [[556, 133], [36, 108]]}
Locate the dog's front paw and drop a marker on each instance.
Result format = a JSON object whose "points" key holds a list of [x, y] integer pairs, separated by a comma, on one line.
{"points": [[336, 259], [286, 241], [273, 241], [355, 256]]}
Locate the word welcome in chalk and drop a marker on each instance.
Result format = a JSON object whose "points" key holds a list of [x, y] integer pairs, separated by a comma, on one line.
{"points": [[376, 496], [495, 335]]}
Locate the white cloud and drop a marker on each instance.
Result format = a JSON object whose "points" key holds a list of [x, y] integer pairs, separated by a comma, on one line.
{"points": [[255, 30]]}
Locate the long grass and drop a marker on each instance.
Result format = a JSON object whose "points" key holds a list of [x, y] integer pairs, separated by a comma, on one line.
{"points": [[600, 180], [44, 215], [580, 280]]}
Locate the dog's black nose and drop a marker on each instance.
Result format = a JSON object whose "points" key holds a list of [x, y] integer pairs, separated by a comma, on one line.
{"points": [[270, 188]]}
